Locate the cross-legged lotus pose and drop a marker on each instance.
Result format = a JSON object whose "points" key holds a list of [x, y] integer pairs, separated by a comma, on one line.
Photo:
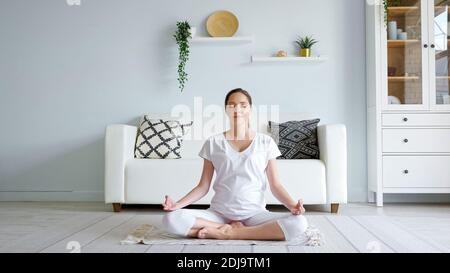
{"points": [[244, 160]]}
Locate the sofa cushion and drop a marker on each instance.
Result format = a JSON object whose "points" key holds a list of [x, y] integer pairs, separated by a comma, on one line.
{"points": [[147, 181], [302, 178], [296, 139], [159, 138]]}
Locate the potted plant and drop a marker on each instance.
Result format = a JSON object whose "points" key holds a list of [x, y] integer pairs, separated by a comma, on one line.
{"points": [[386, 5], [182, 35], [305, 44]]}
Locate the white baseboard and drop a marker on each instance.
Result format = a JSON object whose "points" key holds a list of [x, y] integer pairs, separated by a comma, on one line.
{"points": [[58, 196], [416, 198]]}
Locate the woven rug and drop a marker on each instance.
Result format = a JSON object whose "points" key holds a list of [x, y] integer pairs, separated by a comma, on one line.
{"points": [[152, 235]]}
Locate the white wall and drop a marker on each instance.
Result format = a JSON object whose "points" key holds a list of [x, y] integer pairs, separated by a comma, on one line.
{"points": [[69, 71]]}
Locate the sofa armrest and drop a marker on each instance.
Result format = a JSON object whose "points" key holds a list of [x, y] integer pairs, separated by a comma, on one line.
{"points": [[119, 148], [333, 152]]}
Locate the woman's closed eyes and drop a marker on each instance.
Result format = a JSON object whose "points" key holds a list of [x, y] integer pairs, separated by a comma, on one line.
{"points": [[243, 105]]}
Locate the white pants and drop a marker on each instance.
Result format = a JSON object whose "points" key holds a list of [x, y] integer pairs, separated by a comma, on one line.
{"points": [[180, 221]]}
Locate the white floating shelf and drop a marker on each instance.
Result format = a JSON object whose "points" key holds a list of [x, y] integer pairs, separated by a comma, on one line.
{"points": [[223, 40], [314, 59]]}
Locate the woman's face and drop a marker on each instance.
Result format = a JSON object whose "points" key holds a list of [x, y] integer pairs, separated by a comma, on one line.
{"points": [[238, 107]]}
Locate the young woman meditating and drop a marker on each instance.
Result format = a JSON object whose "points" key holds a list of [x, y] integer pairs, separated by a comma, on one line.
{"points": [[244, 160]]}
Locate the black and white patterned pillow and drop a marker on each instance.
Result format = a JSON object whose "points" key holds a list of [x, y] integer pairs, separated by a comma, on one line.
{"points": [[296, 139], [159, 138]]}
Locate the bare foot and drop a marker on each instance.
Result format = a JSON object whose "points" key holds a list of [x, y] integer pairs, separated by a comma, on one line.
{"points": [[237, 224], [222, 233], [302, 209], [201, 234]]}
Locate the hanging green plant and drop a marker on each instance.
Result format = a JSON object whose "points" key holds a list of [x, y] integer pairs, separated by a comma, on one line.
{"points": [[182, 35], [387, 4]]}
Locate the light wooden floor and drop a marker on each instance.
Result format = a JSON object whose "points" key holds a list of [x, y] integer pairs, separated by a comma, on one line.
{"points": [[61, 227]]}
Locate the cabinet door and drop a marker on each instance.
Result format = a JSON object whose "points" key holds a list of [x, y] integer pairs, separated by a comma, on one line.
{"points": [[439, 35], [407, 51]]}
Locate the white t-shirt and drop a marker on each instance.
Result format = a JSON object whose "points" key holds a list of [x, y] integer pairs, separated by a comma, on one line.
{"points": [[240, 176]]}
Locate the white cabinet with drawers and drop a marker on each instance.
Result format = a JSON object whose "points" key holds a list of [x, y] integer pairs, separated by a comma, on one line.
{"points": [[423, 140], [414, 120], [408, 153], [408, 98], [413, 173]]}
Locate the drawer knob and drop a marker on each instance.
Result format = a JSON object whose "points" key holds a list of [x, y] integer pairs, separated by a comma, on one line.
{"points": [[405, 171], [405, 140], [405, 119]]}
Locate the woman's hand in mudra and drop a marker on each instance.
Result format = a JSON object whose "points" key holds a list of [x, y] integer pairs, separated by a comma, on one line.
{"points": [[169, 204], [298, 208]]}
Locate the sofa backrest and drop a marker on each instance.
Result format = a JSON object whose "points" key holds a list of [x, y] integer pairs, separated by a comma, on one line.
{"points": [[206, 125]]}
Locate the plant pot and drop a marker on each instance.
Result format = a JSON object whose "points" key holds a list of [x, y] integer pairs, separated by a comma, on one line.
{"points": [[305, 52]]}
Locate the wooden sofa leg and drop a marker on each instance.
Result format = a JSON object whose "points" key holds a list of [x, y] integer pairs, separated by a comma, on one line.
{"points": [[334, 208], [117, 207]]}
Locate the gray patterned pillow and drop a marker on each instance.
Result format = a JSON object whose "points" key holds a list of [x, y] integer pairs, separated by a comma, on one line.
{"points": [[159, 138], [296, 139]]}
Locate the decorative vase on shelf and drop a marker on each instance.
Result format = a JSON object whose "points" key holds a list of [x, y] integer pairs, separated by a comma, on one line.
{"points": [[281, 53], [392, 30], [402, 36], [305, 52], [392, 71]]}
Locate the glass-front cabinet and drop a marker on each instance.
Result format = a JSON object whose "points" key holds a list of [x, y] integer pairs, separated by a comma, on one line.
{"points": [[439, 56], [417, 39]]}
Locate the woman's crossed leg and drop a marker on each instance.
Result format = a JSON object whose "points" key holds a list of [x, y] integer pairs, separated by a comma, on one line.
{"points": [[209, 224]]}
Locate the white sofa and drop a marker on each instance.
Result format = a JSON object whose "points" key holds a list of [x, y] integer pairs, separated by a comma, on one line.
{"points": [[146, 181]]}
